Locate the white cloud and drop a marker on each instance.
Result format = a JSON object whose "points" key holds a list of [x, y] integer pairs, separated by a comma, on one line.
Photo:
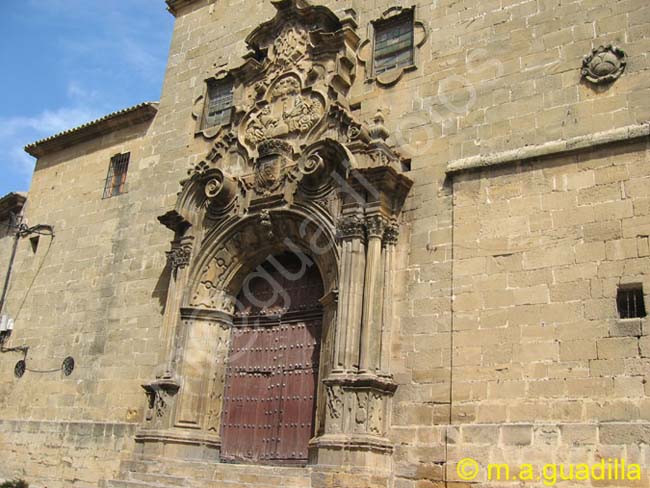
{"points": [[114, 63], [17, 132]]}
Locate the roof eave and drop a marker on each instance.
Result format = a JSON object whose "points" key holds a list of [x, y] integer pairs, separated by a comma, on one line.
{"points": [[175, 5], [12, 203], [118, 120]]}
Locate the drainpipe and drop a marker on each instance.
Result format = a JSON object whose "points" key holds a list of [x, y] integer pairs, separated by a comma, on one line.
{"points": [[5, 288]]}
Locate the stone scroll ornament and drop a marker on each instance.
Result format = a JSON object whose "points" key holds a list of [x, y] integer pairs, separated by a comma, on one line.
{"points": [[605, 64]]}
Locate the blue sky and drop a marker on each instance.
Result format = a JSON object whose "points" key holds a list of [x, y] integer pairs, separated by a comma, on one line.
{"points": [[66, 62]]}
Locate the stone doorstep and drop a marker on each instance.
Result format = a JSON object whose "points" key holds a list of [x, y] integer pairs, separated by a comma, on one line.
{"points": [[132, 484], [170, 473], [158, 478]]}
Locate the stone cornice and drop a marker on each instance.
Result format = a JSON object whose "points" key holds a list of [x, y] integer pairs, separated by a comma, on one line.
{"points": [[551, 148], [96, 128], [174, 5], [12, 203]]}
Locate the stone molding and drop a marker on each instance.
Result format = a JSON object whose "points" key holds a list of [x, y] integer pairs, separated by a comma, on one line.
{"points": [[177, 436], [552, 148]]}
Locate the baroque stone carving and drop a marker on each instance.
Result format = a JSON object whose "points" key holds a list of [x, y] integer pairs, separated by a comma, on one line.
{"points": [[159, 395], [210, 293], [375, 413], [604, 64], [375, 226], [287, 110], [350, 227], [391, 233], [294, 165], [361, 414], [180, 254]]}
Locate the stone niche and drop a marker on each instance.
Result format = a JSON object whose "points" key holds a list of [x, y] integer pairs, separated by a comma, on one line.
{"points": [[317, 181]]}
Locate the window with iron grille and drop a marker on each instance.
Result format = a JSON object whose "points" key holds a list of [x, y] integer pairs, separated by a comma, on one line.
{"points": [[394, 43], [116, 178], [218, 107], [629, 301]]}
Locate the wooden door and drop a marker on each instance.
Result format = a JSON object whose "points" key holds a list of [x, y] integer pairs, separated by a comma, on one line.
{"points": [[272, 371]]}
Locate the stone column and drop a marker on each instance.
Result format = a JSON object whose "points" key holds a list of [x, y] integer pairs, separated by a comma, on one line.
{"points": [[372, 306], [178, 259], [202, 368], [391, 235], [351, 235], [357, 396]]}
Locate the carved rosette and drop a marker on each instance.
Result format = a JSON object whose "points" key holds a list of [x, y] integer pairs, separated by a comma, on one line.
{"points": [[605, 64]]}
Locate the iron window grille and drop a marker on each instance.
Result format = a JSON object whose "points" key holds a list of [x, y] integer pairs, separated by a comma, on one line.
{"points": [[394, 43], [630, 302], [219, 104], [116, 178]]}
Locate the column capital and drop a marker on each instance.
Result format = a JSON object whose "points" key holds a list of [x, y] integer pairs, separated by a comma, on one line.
{"points": [[391, 233], [375, 225], [350, 227], [181, 252]]}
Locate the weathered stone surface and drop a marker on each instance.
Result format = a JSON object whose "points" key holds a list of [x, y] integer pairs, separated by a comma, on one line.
{"points": [[529, 207]]}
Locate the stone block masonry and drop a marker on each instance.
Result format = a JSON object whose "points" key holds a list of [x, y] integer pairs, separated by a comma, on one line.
{"points": [[529, 208]]}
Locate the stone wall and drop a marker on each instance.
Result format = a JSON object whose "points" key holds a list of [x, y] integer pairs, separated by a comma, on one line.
{"points": [[62, 454], [6, 246], [95, 293], [543, 370]]}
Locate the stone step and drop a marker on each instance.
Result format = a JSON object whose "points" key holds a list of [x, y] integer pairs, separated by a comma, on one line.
{"points": [[158, 478], [133, 484], [174, 473]]}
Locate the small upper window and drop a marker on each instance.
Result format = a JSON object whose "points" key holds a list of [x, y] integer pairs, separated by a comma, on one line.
{"points": [[116, 179], [629, 301], [394, 46], [218, 107]]}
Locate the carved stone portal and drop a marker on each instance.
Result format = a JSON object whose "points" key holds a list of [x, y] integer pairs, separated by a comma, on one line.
{"points": [[317, 182]]}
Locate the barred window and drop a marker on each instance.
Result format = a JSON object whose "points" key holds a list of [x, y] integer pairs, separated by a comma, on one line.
{"points": [[629, 301], [394, 40], [218, 107], [116, 178]]}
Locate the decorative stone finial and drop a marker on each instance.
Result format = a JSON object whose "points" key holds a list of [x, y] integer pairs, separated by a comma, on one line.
{"points": [[378, 131]]}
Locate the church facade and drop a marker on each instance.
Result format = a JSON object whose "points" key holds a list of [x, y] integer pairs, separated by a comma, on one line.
{"points": [[362, 244]]}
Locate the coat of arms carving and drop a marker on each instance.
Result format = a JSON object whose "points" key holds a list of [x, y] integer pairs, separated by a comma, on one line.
{"points": [[286, 110]]}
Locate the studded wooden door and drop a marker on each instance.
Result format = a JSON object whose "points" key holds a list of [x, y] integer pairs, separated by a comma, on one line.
{"points": [[272, 371]]}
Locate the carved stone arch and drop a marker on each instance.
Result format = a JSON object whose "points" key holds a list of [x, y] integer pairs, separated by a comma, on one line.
{"points": [[234, 249], [329, 185]]}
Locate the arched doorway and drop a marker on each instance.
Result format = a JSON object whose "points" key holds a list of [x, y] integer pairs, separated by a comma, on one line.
{"points": [[272, 369]]}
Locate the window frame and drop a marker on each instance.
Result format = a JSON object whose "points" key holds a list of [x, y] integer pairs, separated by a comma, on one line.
{"points": [[115, 183], [366, 50], [623, 294], [405, 16], [211, 84]]}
